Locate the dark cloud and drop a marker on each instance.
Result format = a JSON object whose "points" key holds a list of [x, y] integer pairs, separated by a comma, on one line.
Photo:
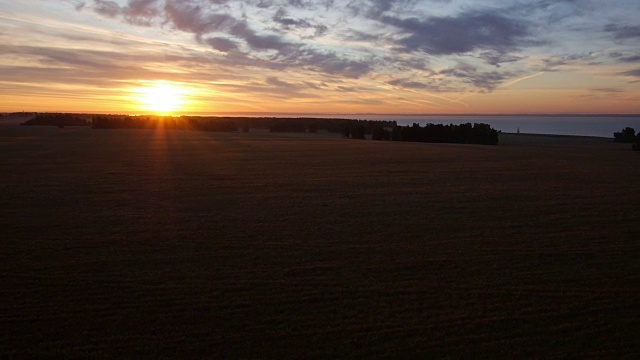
{"points": [[330, 63], [260, 42], [474, 30], [487, 81], [272, 80], [623, 32], [552, 63], [376, 8], [222, 44], [78, 4], [195, 19], [300, 3], [403, 64], [146, 8], [356, 35], [141, 11], [107, 8], [626, 58], [137, 12], [264, 4], [635, 73], [433, 86], [282, 17], [496, 58]]}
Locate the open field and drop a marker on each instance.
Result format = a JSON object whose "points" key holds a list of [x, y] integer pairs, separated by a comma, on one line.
{"points": [[129, 243]]}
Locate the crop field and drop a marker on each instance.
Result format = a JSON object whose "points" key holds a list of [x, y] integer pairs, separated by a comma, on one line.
{"points": [[152, 243]]}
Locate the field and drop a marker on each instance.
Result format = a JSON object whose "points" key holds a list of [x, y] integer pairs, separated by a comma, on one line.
{"points": [[151, 243]]}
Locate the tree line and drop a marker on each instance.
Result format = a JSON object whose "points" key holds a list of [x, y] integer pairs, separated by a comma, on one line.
{"points": [[55, 119], [163, 122], [355, 129], [477, 133], [313, 125]]}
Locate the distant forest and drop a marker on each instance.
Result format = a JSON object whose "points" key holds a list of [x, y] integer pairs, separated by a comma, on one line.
{"points": [[355, 129], [59, 120]]}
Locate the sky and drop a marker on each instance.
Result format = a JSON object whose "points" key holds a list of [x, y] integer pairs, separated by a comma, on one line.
{"points": [[324, 57]]}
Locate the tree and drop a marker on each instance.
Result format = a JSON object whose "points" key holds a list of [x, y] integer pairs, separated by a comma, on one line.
{"points": [[380, 133], [346, 132], [627, 135], [357, 132]]}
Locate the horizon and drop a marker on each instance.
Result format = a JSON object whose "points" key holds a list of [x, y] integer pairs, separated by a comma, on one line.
{"points": [[302, 114], [364, 57]]}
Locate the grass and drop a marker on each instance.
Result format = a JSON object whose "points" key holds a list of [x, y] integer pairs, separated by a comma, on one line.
{"points": [[190, 244]]}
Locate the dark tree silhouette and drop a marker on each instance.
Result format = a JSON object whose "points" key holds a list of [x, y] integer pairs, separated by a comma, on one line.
{"points": [[287, 125], [59, 120], [346, 132], [627, 135], [313, 128], [439, 133], [166, 122], [380, 133], [358, 131]]}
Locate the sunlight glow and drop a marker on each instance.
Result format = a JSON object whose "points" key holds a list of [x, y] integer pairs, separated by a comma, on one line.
{"points": [[162, 98]]}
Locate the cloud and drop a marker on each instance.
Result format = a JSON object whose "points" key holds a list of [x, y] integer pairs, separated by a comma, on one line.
{"points": [[78, 4], [623, 32], [137, 12], [141, 12], [242, 44], [400, 63], [548, 11], [330, 63], [376, 8], [272, 80], [222, 44], [107, 8], [607, 90], [487, 81], [193, 18], [469, 31], [411, 41], [625, 58], [409, 83], [635, 73], [496, 58], [282, 17], [554, 62]]}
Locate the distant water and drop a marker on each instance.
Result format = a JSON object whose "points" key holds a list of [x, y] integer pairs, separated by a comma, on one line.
{"points": [[560, 125]]}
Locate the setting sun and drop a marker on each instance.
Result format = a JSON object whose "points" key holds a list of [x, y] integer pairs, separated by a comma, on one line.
{"points": [[162, 98]]}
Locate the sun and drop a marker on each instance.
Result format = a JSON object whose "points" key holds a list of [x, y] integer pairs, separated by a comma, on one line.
{"points": [[161, 98]]}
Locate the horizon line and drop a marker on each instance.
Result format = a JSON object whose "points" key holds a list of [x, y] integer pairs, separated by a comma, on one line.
{"points": [[300, 114]]}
